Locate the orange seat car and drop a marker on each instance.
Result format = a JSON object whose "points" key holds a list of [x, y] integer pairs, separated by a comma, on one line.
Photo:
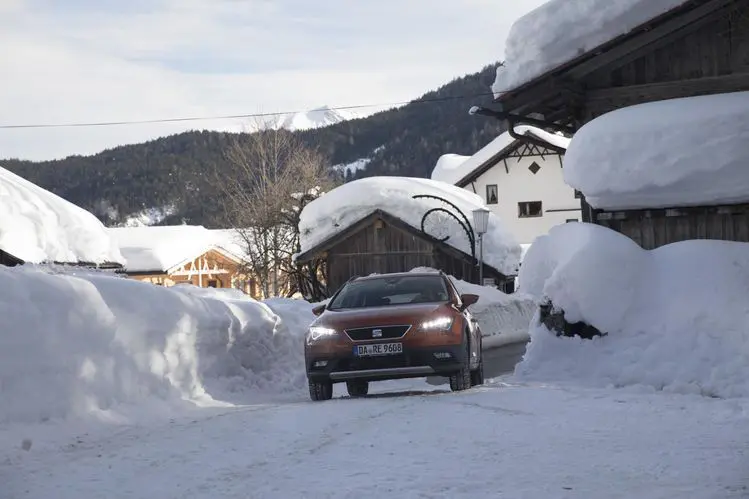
{"points": [[392, 326]]}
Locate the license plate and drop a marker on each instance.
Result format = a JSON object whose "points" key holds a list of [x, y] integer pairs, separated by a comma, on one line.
{"points": [[378, 349]]}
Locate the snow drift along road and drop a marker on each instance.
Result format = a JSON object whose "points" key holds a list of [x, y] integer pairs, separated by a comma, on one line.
{"points": [[76, 345]]}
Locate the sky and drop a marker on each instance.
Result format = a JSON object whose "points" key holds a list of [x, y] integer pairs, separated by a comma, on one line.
{"points": [[77, 61]]}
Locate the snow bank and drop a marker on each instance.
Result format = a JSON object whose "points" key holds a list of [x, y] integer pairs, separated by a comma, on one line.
{"points": [[82, 345], [677, 152], [347, 204], [561, 30], [676, 316], [450, 169], [503, 318], [38, 226]]}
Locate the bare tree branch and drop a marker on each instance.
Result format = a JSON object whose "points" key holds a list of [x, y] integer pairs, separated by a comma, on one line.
{"points": [[272, 177]]}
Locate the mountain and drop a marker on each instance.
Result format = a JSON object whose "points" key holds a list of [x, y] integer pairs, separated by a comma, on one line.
{"points": [[173, 179], [316, 118]]}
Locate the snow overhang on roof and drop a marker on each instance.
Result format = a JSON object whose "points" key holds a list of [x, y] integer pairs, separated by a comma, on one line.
{"points": [[448, 169], [346, 205], [673, 153], [163, 248], [562, 31], [37, 226]]}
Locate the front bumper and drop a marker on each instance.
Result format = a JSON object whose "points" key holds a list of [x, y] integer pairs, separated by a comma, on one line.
{"points": [[412, 363]]}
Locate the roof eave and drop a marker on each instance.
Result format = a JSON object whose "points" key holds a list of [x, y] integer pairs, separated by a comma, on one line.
{"points": [[561, 70]]}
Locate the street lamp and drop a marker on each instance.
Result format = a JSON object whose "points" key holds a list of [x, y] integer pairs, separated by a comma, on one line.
{"points": [[480, 225]]}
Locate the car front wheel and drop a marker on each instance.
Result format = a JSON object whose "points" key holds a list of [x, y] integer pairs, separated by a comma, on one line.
{"points": [[461, 380], [320, 390], [357, 388]]}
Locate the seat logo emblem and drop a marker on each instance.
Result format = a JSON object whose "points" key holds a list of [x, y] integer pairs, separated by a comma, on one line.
{"points": [[377, 333]]}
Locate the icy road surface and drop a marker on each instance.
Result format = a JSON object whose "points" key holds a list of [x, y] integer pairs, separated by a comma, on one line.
{"points": [[502, 440]]}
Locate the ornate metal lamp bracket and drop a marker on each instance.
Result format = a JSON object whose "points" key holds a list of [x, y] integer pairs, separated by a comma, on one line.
{"points": [[465, 224]]}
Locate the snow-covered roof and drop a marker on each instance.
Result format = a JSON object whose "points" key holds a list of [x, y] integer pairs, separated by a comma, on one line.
{"points": [[347, 204], [38, 226], [561, 30], [162, 248], [449, 169], [677, 152]]}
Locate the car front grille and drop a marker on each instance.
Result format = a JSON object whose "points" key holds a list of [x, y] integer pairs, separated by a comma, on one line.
{"points": [[382, 362], [377, 333]]}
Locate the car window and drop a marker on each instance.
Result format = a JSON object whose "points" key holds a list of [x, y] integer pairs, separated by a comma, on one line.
{"points": [[384, 291]]}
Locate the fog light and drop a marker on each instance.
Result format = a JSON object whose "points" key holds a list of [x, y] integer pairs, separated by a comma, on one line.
{"points": [[442, 355], [321, 363]]}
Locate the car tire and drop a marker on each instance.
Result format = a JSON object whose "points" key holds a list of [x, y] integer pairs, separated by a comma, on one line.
{"points": [[320, 390], [477, 376], [461, 380], [357, 388]]}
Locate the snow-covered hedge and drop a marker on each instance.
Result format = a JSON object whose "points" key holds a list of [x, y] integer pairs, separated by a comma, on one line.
{"points": [[676, 316], [75, 345]]}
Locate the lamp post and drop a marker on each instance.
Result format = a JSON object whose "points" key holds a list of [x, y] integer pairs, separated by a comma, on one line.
{"points": [[480, 225]]}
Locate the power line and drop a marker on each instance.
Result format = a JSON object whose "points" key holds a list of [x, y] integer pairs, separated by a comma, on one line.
{"points": [[236, 116]]}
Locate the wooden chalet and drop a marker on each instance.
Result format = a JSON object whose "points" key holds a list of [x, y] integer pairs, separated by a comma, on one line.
{"points": [[382, 243], [171, 255], [700, 47]]}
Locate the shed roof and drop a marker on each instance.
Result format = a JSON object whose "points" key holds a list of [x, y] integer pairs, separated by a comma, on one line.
{"points": [[335, 238], [564, 32], [37, 226]]}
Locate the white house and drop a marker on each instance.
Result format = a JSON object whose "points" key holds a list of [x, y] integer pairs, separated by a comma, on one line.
{"points": [[520, 181]]}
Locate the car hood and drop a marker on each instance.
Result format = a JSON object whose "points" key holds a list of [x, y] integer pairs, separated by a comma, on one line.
{"points": [[382, 316]]}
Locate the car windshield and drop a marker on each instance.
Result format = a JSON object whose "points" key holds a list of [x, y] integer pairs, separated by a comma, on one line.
{"points": [[384, 291]]}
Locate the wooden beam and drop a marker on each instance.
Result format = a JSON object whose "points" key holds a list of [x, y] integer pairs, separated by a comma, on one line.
{"points": [[671, 89], [650, 39]]}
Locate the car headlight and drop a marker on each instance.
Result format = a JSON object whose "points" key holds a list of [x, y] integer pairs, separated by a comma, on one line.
{"points": [[317, 332], [437, 324]]}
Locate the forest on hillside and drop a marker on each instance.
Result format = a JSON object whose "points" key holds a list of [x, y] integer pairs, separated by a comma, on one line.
{"points": [[181, 171]]}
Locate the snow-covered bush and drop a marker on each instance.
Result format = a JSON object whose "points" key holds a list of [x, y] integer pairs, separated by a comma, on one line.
{"points": [[676, 316]]}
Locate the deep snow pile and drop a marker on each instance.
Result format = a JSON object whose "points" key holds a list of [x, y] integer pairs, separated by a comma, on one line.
{"points": [[39, 226], [79, 345], [503, 318], [452, 168], [676, 316], [560, 30], [347, 204], [658, 155]]}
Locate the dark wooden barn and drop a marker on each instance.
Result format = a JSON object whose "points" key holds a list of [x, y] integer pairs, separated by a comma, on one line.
{"points": [[382, 243], [698, 48]]}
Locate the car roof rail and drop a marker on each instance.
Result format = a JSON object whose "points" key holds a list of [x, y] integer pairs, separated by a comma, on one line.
{"points": [[353, 278]]}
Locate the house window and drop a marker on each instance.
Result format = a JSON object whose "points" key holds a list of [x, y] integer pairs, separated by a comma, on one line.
{"points": [[212, 284], [572, 220], [530, 209], [491, 194], [534, 168], [578, 194]]}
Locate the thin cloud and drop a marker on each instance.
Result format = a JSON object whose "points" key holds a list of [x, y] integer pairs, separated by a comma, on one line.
{"points": [[105, 60]]}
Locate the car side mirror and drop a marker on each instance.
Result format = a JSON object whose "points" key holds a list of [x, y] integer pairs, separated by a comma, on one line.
{"points": [[468, 300], [318, 310]]}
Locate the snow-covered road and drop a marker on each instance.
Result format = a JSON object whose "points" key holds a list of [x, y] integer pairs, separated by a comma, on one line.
{"points": [[409, 440]]}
